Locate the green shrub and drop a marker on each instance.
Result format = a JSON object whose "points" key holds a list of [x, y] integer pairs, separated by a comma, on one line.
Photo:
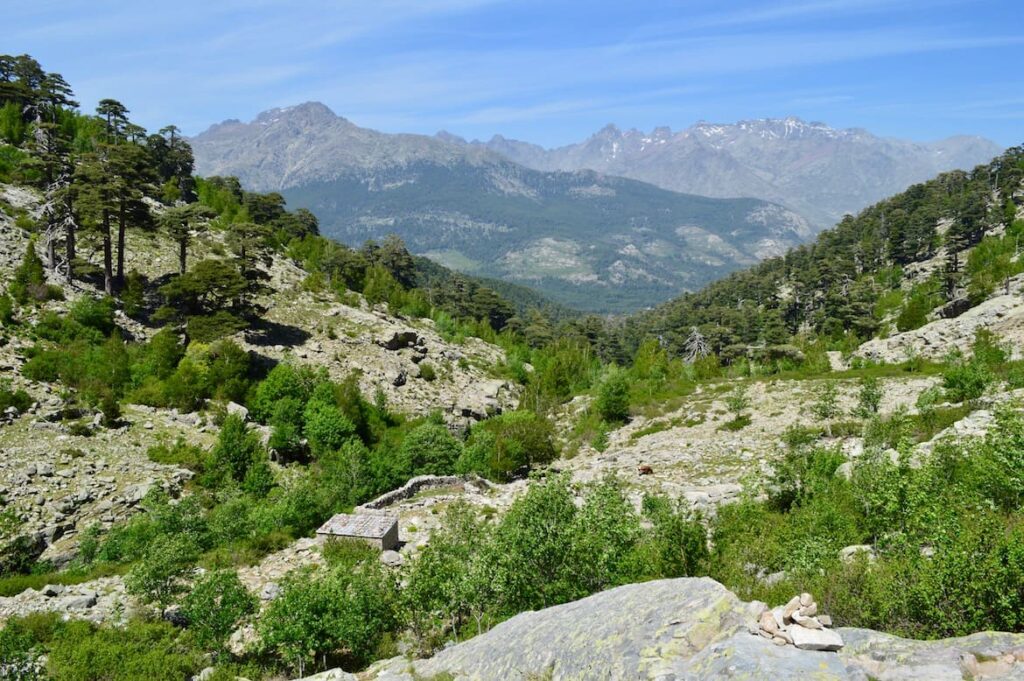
{"points": [[869, 398], [81, 651], [237, 449], [802, 473], [736, 424], [676, 545], [987, 349], [826, 404], [22, 642], [922, 300], [284, 381], [210, 327], [6, 309], [429, 449], [326, 427], [347, 553], [259, 479], [966, 381], [133, 297], [796, 436], [530, 561], [427, 371], [214, 607], [95, 313], [600, 440], [737, 401], [181, 453], [505, 445], [29, 281], [227, 373], [19, 399], [612, 401], [159, 576], [889, 432], [340, 617]]}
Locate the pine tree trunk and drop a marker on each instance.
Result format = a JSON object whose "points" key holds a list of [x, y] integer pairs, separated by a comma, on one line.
{"points": [[108, 278], [182, 254], [121, 222], [51, 248], [69, 240]]}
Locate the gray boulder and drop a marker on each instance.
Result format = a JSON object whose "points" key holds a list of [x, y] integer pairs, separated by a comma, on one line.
{"points": [[331, 675], [985, 655], [399, 340], [235, 409], [638, 631], [690, 629]]}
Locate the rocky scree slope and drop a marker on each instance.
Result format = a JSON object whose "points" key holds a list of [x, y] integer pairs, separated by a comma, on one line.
{"points": [[689, 629], [583, 238], [61, 480]]}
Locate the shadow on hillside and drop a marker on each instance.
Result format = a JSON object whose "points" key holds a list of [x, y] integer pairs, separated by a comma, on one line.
{"points": [[264, 333]]}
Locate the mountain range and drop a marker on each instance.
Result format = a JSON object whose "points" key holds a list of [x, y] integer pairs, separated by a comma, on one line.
{"points": [[586, 239], [818, 171], [604, 225]]}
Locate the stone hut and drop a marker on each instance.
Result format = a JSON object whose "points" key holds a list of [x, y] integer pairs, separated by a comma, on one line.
{"points": [[377, 529]]}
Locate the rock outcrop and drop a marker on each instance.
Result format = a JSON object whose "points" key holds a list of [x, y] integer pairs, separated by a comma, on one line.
{"points": [[692, 629], [1001, 314]]}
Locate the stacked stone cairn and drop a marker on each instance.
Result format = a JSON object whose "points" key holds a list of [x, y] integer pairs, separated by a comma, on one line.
{"points": [[798, 623]]}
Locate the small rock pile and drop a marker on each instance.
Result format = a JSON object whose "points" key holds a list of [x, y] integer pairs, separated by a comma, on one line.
{"points": [[798, 623]]}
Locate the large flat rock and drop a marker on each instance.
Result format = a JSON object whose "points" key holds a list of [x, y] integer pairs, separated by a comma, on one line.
{"points": [[639, 631], [985, 655], [691, 630]]}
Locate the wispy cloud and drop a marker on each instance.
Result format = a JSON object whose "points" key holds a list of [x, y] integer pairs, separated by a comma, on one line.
{"points": [[543, 67]]}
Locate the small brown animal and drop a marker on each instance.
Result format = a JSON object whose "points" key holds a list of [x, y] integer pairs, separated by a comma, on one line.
{"points": [[644, 469]]}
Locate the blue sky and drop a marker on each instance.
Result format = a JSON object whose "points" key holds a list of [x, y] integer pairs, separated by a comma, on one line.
{"points": [[545, 71]]}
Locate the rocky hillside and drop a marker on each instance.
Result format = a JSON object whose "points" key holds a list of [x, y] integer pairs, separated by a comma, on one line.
{"points": [[932, 252], [694, 629], [818, 171], [64, 472], [584, 239]]}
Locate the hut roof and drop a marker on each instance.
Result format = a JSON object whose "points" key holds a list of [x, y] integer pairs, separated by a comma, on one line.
{"points": [[358, 525]]}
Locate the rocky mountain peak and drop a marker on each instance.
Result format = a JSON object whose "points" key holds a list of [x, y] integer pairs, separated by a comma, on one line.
{"points": [[450, 137], [608, 131], [307, 113]]}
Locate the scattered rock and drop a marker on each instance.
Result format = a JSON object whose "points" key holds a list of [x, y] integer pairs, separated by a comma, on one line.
{"points": [[391, 558], [815, 639], [331, 675], [235, 409], [399, 339], [849, 553], [82, 602], [768, 623], [789, 609]]}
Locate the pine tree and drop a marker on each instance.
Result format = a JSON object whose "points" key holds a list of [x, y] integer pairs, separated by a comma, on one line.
{"points": [[180, 222], [97, 200], [115, 116], [132, 174]]}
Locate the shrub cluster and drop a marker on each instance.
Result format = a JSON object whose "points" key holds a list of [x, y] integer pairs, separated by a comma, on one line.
{"points": [[946, 534]]}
